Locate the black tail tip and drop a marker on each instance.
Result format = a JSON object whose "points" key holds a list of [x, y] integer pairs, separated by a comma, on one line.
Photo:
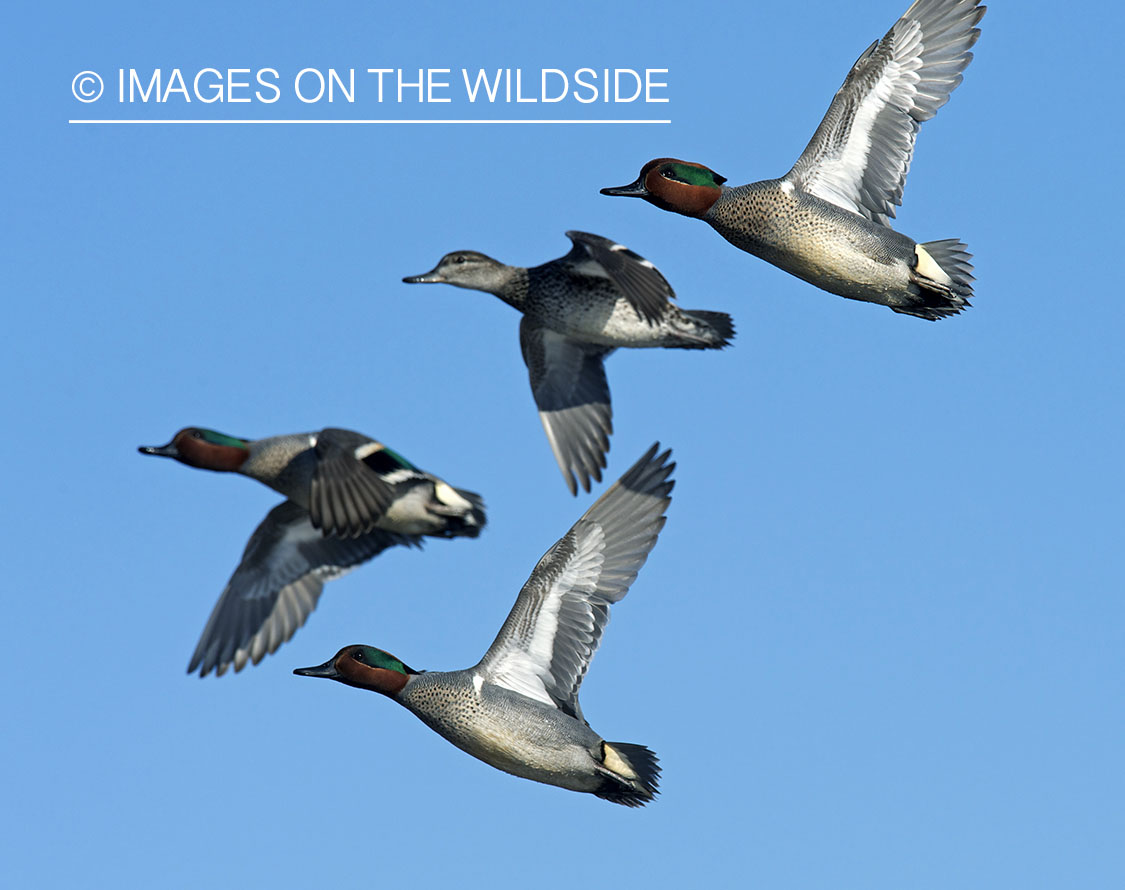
{"points": [[619, 787]]}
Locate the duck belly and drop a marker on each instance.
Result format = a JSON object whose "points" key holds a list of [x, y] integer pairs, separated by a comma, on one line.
{"points": [[409, 513], [599, 317], [535, 754], [519, 736], [838, 251], [620, 326]]}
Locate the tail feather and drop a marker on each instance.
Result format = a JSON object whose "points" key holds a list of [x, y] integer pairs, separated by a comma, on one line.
{"points": [[476, 517], [943, 276], [466, 523], [706, 330], [632, 774]]}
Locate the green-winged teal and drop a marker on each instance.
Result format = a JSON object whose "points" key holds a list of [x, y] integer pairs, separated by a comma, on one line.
{"points": [[517, 709], [349, 499], [576, 310], [827, 220]]}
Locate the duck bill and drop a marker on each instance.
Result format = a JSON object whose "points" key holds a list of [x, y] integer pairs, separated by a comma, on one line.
{"points": [[168, 450], [632, 190], [326, 671], [431, 277]]}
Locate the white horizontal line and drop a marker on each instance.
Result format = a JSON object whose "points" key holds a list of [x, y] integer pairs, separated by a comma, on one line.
{"points": [[351, 121]]}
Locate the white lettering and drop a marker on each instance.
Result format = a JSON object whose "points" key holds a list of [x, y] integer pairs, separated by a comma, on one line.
{"points": [[402, 84], [490, 88], [617, 72], [233, 84], [153, 85], [651, 84], [297, 85], [519, 88], [430, 97], [592, 87], [380, 72], [543, 85], [268, 85], [175, 85], [334, 81]]}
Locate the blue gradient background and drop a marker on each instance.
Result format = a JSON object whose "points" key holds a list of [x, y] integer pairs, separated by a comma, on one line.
{"points": [[879, 643]]}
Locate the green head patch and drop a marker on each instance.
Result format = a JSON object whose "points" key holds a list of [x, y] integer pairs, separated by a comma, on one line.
{"points": [[220, 439], [377, 658], [691, 174]]}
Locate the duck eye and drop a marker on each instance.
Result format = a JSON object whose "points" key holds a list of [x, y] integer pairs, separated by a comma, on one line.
{"points": [[196, 434], [358, 656], [459, 259]]}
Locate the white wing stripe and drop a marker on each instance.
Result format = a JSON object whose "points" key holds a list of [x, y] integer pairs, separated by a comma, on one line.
{"points": [[544, 647], [837, 182], [528, 670], [860, 154]]}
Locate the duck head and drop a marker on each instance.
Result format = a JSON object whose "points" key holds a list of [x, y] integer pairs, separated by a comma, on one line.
{"points": [[680, 186], [466, 268], [205, 449], [364, 667]]}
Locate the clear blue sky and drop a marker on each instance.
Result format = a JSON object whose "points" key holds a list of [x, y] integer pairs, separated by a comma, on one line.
{"points": [[879, 643]]}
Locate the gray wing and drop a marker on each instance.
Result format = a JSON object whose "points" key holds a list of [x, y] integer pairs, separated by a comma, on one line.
{"points": [[639, 281], [569, 386], [277, 585], [553, 630], [860, 154], [346, 497]]}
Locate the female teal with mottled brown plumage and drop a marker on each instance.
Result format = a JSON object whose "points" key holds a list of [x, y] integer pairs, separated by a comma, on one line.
{"points": [[517, 708], [349, 498], [828, 219], [578, 309]]}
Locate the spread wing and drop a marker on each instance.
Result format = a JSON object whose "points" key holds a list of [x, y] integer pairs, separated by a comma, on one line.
{"points": [[639, 281], [277, 585], [553, 630], [569, 386], [346, 497], [860, 154]]}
